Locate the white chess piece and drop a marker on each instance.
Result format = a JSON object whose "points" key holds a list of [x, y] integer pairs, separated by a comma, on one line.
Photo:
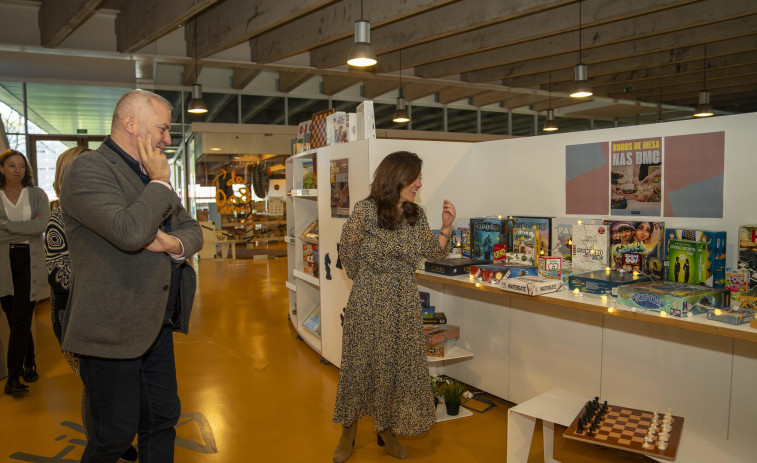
{"points": [[662, 445]]}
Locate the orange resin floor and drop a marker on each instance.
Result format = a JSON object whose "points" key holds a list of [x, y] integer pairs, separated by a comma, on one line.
{"points": [[250, 391]]}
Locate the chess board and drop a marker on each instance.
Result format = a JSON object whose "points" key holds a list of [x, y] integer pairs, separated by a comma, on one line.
{"points": [[624, 428], [318, 131]]}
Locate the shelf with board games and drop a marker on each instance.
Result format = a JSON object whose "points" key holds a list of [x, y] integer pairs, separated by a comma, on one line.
{"points": [[603, 305], [457, 353]]}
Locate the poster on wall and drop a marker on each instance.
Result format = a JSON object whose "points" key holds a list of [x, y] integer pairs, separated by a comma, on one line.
{"points": [[694, 167], [586, 178], [340, 188], [636, 177]]}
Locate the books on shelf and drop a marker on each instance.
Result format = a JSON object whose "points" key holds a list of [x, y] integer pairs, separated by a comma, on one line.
{"points": [[313, 322], [311, 231]]}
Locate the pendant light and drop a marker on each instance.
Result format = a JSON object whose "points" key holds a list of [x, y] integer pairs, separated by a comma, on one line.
{"points": [[704, 108], [197, 105], [550, 125], [361, 53], [582, 88], [400, 115]]}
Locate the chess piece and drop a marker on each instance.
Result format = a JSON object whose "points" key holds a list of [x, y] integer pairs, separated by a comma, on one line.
{"points": [[662, 445]]}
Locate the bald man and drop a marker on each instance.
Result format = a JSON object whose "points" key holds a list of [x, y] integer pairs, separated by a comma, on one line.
{"points": [[129, 238]]}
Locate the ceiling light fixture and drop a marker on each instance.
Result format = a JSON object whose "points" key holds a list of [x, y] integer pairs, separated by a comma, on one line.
{"points": [[550, 125], [361, 53], [704, 108], [400, 115], [582, 89], [197, 105]]}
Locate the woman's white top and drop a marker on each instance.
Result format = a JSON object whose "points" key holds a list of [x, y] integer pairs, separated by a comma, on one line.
{"points": [[20, 211]]}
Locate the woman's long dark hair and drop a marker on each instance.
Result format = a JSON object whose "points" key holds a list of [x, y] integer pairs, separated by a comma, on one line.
{"points": [[28, 179], [395, 172]]}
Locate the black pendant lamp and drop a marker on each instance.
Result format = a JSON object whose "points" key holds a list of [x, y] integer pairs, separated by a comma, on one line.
{"points": [[197, 105], [704, 108], [401, 115], [361, 53], [582, 88], [550, 125]]}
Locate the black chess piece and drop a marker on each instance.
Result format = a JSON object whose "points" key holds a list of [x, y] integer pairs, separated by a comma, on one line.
{"points": [[580, 429], [327, 261], [338, 259], [590, 434]]}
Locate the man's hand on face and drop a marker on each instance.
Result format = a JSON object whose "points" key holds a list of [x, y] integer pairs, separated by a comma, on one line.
{"points": [[154, 161]]}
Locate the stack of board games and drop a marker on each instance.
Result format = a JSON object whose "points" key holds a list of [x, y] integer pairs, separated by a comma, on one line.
{"points": [[494, 273], [310, 259], [734, 316], [451, 266], [687, 261], [590, 247], [531, 286], [644, 238], [428, 311], [526, 246], [748, 252], [715, 251], [676, 299], [439, 340], [484, 234], [542, 224], [604, 281]]}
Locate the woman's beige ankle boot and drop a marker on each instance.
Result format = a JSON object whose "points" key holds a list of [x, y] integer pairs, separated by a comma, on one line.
{"points": [[346, 442], [393, 446]]}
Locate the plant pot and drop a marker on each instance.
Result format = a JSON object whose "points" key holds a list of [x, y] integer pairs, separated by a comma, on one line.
{"points": [[436, 402], [452, 409]]}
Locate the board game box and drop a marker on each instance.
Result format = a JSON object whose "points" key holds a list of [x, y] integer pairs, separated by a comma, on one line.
{"points": [[734, 316], [737, 282], [562, 231], [550, 262], [645, 238], [687, 261], [543, 224], [531, 286], [562, 274], [441, 334], [590, 247], [442, 348], [676, 299], [494, 273], [436, 318], [604, 281], [748, 252], [626, 429], [716, 251], [451, 266], [484, 234], [748, 299], [526, 246]]}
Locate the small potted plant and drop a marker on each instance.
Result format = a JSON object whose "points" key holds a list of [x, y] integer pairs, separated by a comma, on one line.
{"points": [[436, 388], [453, 396]]}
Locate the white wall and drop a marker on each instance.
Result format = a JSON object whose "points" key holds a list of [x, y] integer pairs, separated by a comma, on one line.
{"points": [[526, 176]]}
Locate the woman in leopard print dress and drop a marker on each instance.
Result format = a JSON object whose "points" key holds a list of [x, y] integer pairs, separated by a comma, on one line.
{"points": [[384, 372]]}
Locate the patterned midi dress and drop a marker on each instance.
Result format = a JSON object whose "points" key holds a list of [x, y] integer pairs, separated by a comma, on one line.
{"points": [[384, 373]]}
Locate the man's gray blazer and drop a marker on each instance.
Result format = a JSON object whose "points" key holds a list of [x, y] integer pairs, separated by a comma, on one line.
{"points": [[119, 290]]}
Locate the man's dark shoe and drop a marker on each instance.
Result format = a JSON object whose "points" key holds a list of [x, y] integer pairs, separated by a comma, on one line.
{"points": [[15, 387], [30, 373], [130, 455]]}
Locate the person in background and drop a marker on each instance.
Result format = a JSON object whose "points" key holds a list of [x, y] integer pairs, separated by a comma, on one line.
{"points": [[59, 277], [129, 238], [23, 215], [384, 373]]}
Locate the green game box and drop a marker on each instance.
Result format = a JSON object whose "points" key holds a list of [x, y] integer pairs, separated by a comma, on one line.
{"points": [[687, 261], [676, 299]]}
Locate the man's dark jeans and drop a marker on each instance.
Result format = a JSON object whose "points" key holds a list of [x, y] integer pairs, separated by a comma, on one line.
{"points": [[135, 396]]}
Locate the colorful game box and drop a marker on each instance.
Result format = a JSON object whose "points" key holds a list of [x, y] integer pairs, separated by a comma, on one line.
{"points": [[526, 246], [451, 266], [562, 274], [748, 300], [550, 262], [677, 299], [633, 262], [562, 231], [590, 246], [687, 261], [604, 281], [310, 259], [735, 316], [748, 252], [484, 234], [543, 224], [645, 238], [737, 282], [716, 246], [494, 273], [531, 286], [499, 255], [441, 334], [442, 348]]}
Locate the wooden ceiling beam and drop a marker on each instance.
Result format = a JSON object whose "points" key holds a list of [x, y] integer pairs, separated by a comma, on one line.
{"points": [[735, 28], [334, 84], [59, 18], [331, 23], [190, 74], [522, 100], [558, 103], [416, 91], [451, 94], [690, 88], [448, 20], [374, 88], [487, 98], [560, 20], [692, 99], [140, 23], [288, 81], [242, 77]]}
